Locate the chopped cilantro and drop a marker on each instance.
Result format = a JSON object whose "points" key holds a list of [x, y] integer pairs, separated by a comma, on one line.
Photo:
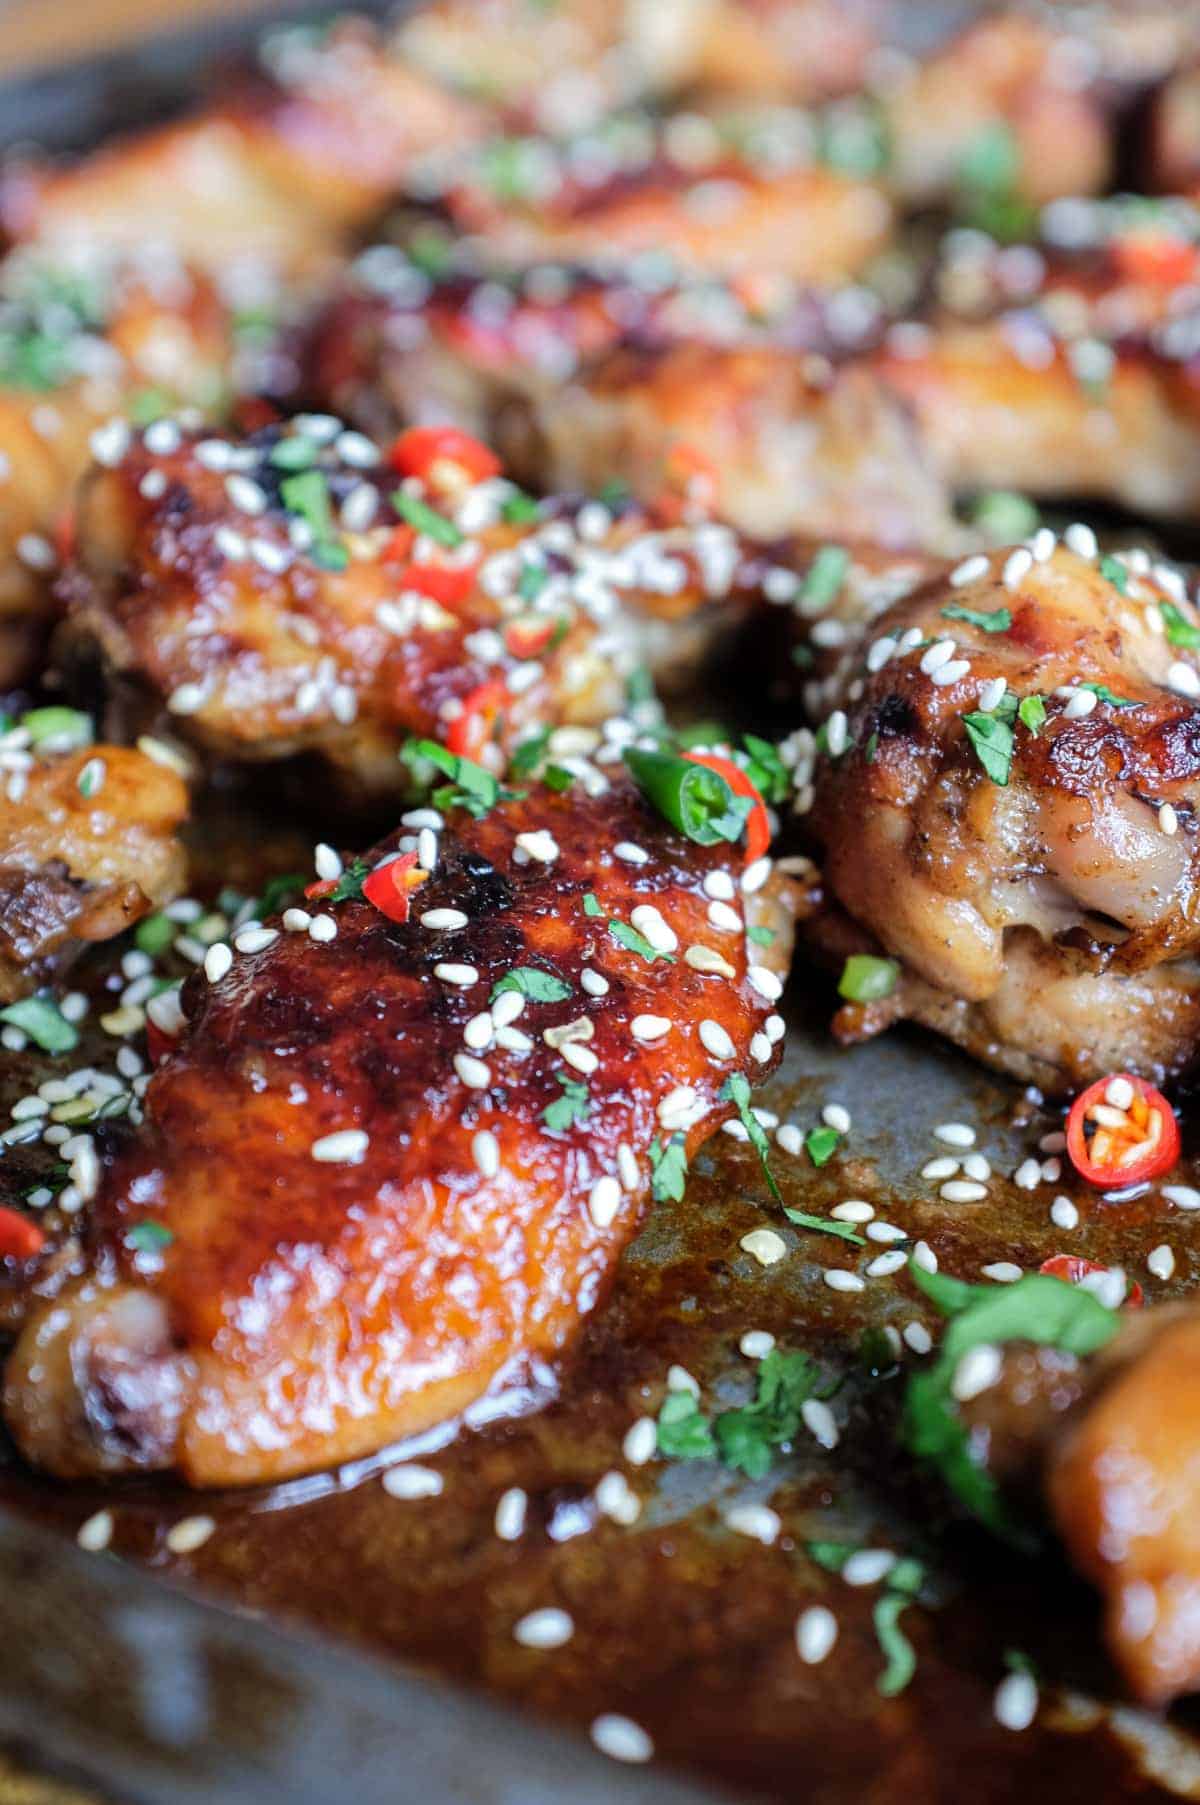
{"points": [[903, 1583], [470, 787], [42, 1020], [557, 779], [424, 519], [1032, 714], [1180, 631], [683, 1431], [999, 620], [743, 1438], [590, 905], [633, 942], [519, 509], [992, 740], [614, 494], [1116, 572], [821, 1144], [824, 1225], [148, 1237], [572, 1107], [761, 936], [349, 886], [824, 578], [830, 1555], [528, 754], [528, 981], [736, 1090], [668, 1170], [766, 770], [1104, 694], [154, 935], [306, 494]]}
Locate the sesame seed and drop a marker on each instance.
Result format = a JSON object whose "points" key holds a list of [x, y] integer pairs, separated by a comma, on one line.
{"points": [[715, 1040], [758, 1521], [755, 876], [110, 442], [255, 940], [627, 1166], [322, 929], [1082, 541], [327, 861], [1081, 704], [1003, 1272], [680, 1379], [1016, 1701], [816, 1634], [962, 1190], [217, 962], [760, 1048], [95, 1534], [649, 921], [943, 1167], [836, 1117], [511, 1510], [1161, 1262], [853, 1209], [475, 1074], [422, 817], [1182, 1196], [705, 959], [820, 1422], [955, 1134], [1017, 567], [604, 1200], [451, 973], [918, 1337], [789, 1137], [444, 918], [620, 1738], [839, 1280], [977, 1167], [1042, 544], [938, 654], [617, 1500], [641, 1441], [188, 698], [546, 1628], [649, 1027], [924, 1256], [297, 921], [970, 570], [345, 1147], [412, 1481], [756, 1344], [1064, 1214], [884, 1264], [540, 845], [594, 982], [507, 1007], [189, 1534], [1168, 820], [1028, 1175], [581, 1057], [485, 1151], [837, 733], [951, 672], [977, 1371], [766, 983], [764, 1245], [247, 496], [631, 854], [992, 694], [1183, 679]]}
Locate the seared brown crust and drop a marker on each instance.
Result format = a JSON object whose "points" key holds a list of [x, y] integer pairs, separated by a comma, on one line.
{"points": [[76, 868], [1040, 907], [307, 1312], [195, 594]]}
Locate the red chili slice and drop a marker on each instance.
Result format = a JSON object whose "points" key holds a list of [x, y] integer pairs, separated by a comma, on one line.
{"points": [[758, 823], [443, 456], [390, 887], [448, 584], [399, 546], [20, 1238], [1071, 1268], [471, 731], [1155, 257], [324, 886], [1113, 1146], [526, 638]]}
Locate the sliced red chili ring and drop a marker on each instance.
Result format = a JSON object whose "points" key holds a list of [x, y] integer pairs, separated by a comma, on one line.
{"points": [[1071, 1268], [399, 545], [448, 584], [758, 822], [1113, 1143], [472, 730], [390, 887], [526, 638], [442, 456], [20, 1238]]}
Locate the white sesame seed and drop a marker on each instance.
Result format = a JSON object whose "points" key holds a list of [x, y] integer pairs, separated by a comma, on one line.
{"points": [[820, 1422], [617, 1500], [412, 1481], [816, 1634], [110, 442], [641, 1441], [1042, 544], [678, 1109], [474, 1073], [762, 979], [706, 959], [1016, 1701], [327, 861], [485, 1152], [764, 1245], [1168, 820], [649, 921], [719, 886], [884, 1264], [954, 1134], [923, 1254], [541, 846], [1028, 1175], [322, 929], [444, 918], [1182, 1196], [1081, 540], [758, 1521], [188, 698], [630, 853], [1003, 1272], [1183, 679], [627, 1167], [756, 1344], [790, 1138], [189, 1534], [867, 1566], [977, 1167], [992, 694], [594, 982], [760, 1048], [620, 1738], [839, 1280], [94, 1535], [451, 973], [649, 1027], [970, 570], [1017, 567], [715, 1040], [1064, 1214], [1161, 1262], [604, 1200], [680, 1379], [853, 1209], [507, 1007], [1080, 705], [962, 1190], [938, 654], [511, 1510], [836, 1117], [977, 1371], [950, 672], [945, 1166], [546, 1628], [297, 921], [579, 1056], [255, 940], [345, 1147], [217, 962]]}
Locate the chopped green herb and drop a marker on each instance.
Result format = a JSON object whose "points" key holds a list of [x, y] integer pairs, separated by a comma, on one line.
{"points": [[736, 1090], [696, 801], [668, 1169], [871, 748], [519, 509], [590, 905], [1180, 631], [424, 519], [557, 779], [866, 978], [1116, 572], [528, 981], [639, 687], [824, 1225], [766, 770], [277, 892], [824, 578], [999, 620], [683, 1431], [614, 494], [532, 581], [306, 494], [349, 887], [65, 727], [148, 1237], [743, 1438], [991, 738], [761, 936], [830, 1555], [875, 1351], [633, 942], [821, 1144], [154, 935], [1104, 694], [294, 453], [1032, 714], [528, 754], [572, 1107], [470, 787], [904, 1581], [1039, 1309], [42, 1020], [149, 405]]}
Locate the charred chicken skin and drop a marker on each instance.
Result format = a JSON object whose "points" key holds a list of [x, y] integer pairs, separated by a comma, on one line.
{"points": [[744, 395], [294, 593], [1004, 799], [396, 1162], [87, 844]]}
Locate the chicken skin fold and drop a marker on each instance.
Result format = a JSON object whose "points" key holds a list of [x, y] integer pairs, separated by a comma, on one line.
{"points": [[294, 593], [388, 1166], [1003, 797]]}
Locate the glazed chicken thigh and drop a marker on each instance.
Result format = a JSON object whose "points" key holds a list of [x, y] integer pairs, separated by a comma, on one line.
{"points": [[1004, 801], [389, 1164]]}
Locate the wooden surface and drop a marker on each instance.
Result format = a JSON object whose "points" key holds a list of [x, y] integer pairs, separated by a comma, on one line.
{"points": [[42, 31]]}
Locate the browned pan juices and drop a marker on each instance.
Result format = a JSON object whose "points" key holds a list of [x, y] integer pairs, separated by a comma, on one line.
{"points": [[679, 1623]]}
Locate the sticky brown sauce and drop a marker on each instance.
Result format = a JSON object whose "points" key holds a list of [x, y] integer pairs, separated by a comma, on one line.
{"points": [[679, 1623]]}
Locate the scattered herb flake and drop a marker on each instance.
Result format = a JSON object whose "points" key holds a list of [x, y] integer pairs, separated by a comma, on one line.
{"points": [[349, 887], [668, 1168], [571, 1108], [528, 981], [1180, 631], [1102, 692], [821, 1144], [1032, 714], [42, 1020], [825, 1225], [424, 519], [992, 740], [999, 620], [1116, 572], [736, 1090], [148, 1237]]}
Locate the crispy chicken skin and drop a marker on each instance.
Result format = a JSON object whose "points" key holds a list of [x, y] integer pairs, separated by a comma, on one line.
{"points": [[1038, 892], [749, 193], [748, 388], [81, 336], [78, 867], [1066, 368], [275, 177], [193, 595], [308, 1311]]}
